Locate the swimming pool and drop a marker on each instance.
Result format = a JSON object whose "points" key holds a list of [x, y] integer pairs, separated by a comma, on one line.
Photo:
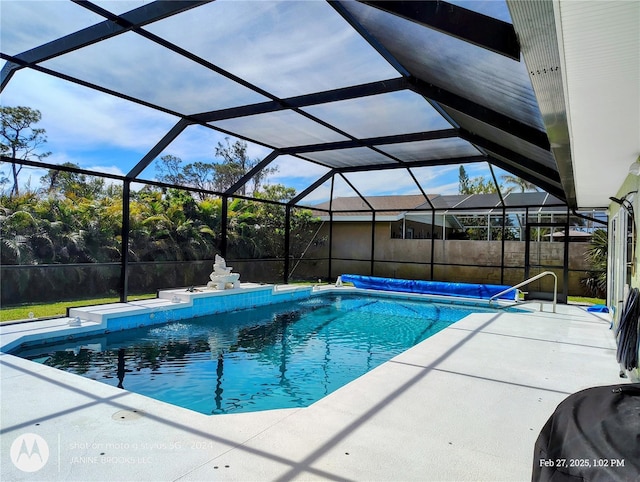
{"points": [[277, 356]]}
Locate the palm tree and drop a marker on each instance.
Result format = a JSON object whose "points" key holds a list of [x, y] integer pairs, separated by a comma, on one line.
{"points": [[243, 240], [24, 241], [596, 280], [516, 182]]}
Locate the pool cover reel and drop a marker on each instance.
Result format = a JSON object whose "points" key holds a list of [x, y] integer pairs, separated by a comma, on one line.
{"points": [[467, 290]]}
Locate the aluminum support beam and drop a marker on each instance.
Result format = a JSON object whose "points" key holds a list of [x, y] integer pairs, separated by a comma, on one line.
{"points": [[485, 32], [257, 168], [335, 95], [158, 148], [135, 18], [124, 247]]}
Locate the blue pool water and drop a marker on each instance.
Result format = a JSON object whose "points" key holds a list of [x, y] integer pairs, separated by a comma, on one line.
{"points": [[279, 356]]}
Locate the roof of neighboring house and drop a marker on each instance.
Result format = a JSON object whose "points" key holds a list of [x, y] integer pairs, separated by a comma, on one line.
{"points": [[489, 202], [573, 233], [385, 205]]}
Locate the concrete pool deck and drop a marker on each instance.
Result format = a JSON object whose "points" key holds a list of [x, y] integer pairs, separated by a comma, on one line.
{"points": [[466, 404]]}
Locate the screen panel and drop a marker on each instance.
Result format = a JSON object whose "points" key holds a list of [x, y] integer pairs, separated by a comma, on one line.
{"points": [[287, 48], [29, 24], [280, 129], [394, 188], [469, 71], [357, 156], [126, 63], [381, 115], [431, 149], [90, 129]]}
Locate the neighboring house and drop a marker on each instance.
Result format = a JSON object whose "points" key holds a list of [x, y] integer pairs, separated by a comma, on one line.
{"points": [[440, 248], [405, 217], [451, 216]]}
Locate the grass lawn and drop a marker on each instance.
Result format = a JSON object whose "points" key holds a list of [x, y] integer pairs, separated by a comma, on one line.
{"points": [[46, 310], [587, 301]]}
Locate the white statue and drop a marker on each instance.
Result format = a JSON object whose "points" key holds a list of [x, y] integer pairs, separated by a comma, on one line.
{"points": [[222, 277]]}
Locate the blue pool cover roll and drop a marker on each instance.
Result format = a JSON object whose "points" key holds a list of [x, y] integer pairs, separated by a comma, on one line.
{"points": [[467, 290]]}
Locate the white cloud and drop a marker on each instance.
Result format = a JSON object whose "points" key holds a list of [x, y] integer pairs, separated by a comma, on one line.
{"points": [[433, 180], [77, 119], [28, 24], [318, 196], [195, 143], [290, 167], [443, 189], [288, 48], [120, 6], [115, 170], [380, 115], [138, 67], [198, 143], [437, 180], [29, 177], [388, 182]]}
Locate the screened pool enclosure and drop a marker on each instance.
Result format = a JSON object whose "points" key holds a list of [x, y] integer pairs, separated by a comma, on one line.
{"points": [[431, 116]]}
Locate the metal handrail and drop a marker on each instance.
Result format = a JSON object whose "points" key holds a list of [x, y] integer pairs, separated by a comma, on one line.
{"points": [[527, 281]]}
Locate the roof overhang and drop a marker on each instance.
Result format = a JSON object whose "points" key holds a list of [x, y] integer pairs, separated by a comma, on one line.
{"points": [[583, 59]]}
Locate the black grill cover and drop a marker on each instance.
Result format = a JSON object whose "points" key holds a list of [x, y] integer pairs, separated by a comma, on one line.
{"points": [[593, 435]]}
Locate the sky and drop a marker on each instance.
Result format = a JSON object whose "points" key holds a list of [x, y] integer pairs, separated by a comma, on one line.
{"points": [[101, 132]]}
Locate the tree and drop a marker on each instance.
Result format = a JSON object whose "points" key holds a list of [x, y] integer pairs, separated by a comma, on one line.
{"points": [[480, 185], [596, 255], [170, 225], [235, 165], [200, 175], [463, 181], [72, 184], [19, 140], [476, 226], [171, 171], [517, 182], [477, 185], [277, 192], [212, 176], [18, 227]]}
